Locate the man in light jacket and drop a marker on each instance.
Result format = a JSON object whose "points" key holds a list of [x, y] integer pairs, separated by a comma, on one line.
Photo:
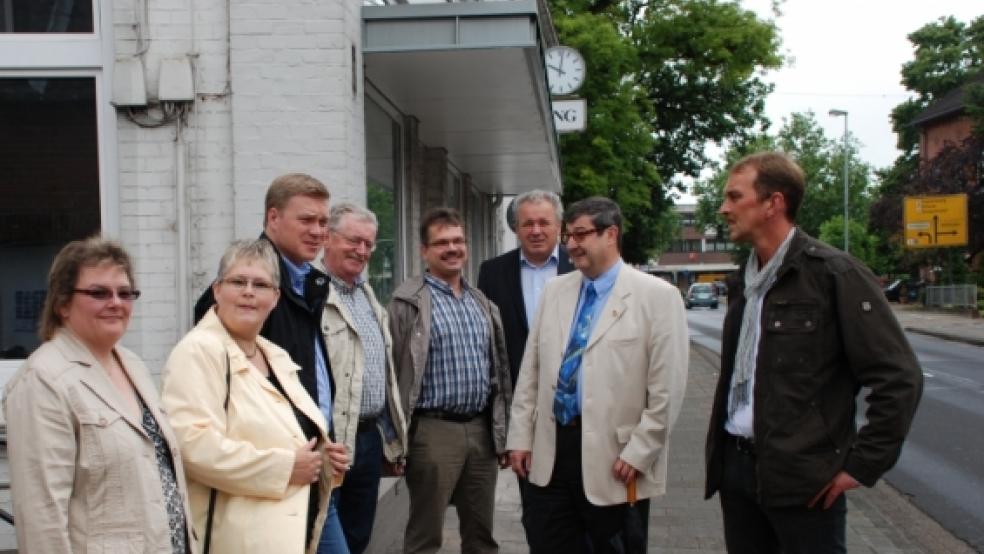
{"points": [[367, 414], [599, 389], [454, 386]]}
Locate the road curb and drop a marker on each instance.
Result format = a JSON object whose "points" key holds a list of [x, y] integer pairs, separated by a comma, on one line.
{"points": [[945, 336]]}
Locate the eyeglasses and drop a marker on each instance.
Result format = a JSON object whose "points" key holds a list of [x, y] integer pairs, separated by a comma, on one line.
{"points": [[444, 243], [103, 294], [356, 242], [240, 284], [580, 234]]}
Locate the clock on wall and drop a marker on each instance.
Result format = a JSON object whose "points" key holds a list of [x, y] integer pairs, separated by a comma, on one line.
{"points": [[565, 69]]}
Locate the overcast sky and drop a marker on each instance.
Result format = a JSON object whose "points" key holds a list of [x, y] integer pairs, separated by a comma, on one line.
{"points": [[847, 55]]}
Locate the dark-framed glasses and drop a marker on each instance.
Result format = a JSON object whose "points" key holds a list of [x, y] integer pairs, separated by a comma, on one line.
{"points": [[242, 283], [103, 293], [580, 234]]}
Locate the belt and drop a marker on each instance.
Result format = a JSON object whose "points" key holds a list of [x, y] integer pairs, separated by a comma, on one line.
{"points": [[367, 424], [744, 445], [448, 416]]}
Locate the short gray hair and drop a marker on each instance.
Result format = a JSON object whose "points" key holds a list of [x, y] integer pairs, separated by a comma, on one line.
{"points": [[338, 211], [250, 250], [541, 196]]}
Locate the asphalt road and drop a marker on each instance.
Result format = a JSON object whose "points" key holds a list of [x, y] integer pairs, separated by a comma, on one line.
{"points": [[942, 463]]}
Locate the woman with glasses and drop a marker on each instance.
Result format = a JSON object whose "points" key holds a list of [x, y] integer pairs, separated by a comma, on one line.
{"points": [[92, 460], [252, 438]]}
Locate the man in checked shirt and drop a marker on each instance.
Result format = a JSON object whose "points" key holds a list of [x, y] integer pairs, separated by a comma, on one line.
{"points": [[453, 377]]}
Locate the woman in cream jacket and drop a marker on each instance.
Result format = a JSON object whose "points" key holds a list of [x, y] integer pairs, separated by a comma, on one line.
{"points": [[94, 466], [245, 425]]}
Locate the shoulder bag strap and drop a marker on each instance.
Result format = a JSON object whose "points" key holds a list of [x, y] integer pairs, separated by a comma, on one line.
{"points": [[211, 497]]}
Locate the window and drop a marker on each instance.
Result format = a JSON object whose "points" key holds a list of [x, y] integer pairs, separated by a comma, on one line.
{"points": [[50, 142], [58, 143], [384, 171], [46, 16], [685, 245]]}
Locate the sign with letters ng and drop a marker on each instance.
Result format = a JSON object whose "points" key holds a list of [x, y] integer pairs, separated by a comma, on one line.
{"points": [[935, 221], [570, 116]]}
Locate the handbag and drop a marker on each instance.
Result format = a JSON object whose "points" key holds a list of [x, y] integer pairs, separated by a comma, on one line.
{"points": [[211, 496]]}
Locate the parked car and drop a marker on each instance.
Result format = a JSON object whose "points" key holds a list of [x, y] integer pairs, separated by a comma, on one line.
{"points": [[701, 294], [903, 290]]}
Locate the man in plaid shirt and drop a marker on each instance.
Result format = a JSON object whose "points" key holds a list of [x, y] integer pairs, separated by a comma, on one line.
{"points": [[453, 377]]}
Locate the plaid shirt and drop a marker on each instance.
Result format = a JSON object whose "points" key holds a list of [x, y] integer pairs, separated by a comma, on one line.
{"points": [[373, 346], [456, 378]]}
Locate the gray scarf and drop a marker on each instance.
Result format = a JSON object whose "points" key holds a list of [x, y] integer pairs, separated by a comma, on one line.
{"points": [[757, 283]]}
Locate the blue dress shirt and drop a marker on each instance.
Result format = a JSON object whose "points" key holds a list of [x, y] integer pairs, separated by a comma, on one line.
{"points": [[533, 279], [603, 287], [297, 275]]}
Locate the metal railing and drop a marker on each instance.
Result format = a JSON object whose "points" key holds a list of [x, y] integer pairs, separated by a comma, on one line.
{"points": [[951, 296]]}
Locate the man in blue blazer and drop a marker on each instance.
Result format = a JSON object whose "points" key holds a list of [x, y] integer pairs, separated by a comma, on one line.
{"points": [[515, 280]]}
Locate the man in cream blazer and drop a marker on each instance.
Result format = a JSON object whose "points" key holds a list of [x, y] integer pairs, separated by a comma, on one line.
{"points": [[599, 389]]}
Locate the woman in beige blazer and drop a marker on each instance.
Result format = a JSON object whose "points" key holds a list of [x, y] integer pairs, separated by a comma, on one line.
{"points": [[246, 427], [93, 462]]}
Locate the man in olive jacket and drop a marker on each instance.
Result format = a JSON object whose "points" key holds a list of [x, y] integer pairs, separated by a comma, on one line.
{"points": [[807, 327], [453, 375]]}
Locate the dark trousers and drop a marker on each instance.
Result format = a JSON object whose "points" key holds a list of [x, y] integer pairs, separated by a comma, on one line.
{"points": [[560, 519], [360, 489], [750, 528]]}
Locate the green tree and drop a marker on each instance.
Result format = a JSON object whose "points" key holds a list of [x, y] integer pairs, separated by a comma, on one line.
{"points": [[862, 244], [948, 54], [822, 160], [664, 78]]}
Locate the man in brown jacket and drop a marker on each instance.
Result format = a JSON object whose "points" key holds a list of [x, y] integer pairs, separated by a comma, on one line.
{"points": [[453, 376], [807, 327]]}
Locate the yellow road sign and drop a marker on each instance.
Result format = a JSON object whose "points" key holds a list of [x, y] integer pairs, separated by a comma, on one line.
{"points": [[935, 221]]}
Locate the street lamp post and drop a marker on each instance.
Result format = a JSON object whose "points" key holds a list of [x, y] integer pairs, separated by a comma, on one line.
{"points": [[840, 113]]}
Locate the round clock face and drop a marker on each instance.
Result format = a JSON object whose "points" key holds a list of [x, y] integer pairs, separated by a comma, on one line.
{"points": [[565, 69]]}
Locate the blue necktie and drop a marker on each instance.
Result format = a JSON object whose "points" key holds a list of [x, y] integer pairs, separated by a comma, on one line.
{"points": [[565, 402]]}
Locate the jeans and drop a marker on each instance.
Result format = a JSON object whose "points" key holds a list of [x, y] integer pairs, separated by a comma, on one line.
{"points": [[358, 494], [332, 539], [753, 528]]}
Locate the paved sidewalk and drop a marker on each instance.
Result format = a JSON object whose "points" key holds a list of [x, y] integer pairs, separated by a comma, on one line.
{"points": [[945, 325]]}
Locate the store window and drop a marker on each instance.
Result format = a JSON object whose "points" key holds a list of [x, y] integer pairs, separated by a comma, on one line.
{"points": [[384, 171], [46, 16], [49, 182]]}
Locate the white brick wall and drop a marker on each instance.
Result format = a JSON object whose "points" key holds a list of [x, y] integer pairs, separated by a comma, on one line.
{"points": [[274, 96]]}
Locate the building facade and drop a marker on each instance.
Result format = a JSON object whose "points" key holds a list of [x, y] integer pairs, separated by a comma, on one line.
{"points": [[696, 255], [162, 124]]}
